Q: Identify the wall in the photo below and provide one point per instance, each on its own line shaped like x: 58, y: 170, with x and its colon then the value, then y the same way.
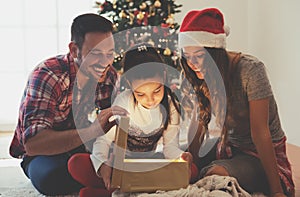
x: 30, y: 31
x: 274, y: 32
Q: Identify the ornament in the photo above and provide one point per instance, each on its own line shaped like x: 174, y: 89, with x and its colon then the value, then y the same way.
x: 101, y: 8
x: 122, y: 14
x: 131, y: 18
x: 143, y: 6
x: 167, y: 51
x: 151, y: 10
x: 170, y: 20
x: 151, y: 42
x: 155, y: 30
x: 174, y: 58
x: 157, y: 4
x: 140, y: 16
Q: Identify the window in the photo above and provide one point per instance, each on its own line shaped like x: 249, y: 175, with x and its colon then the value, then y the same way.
x: 31, y: 31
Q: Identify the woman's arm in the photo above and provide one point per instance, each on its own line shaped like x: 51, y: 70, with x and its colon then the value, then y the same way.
x: 261, y: 136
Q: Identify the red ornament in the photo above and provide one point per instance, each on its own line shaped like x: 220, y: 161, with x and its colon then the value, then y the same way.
x: 155, y: 29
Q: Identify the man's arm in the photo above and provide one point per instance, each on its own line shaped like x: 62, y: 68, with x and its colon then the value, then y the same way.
x: 51, y: 142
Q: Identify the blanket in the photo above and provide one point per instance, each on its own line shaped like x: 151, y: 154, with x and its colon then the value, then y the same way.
x: 210, y: 186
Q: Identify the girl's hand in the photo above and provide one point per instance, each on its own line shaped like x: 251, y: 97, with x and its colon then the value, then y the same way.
x: 193, y: 170
x: 105, y: 172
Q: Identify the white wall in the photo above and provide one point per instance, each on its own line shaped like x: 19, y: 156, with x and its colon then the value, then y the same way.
x: 274, y: 34
x: 269, y: 30
x: 30, y: 31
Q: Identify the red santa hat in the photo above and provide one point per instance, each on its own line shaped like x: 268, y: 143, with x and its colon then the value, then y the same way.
x: 203, y: 28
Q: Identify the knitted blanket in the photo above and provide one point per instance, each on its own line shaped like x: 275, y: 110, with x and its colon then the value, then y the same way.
x: 210, y: 186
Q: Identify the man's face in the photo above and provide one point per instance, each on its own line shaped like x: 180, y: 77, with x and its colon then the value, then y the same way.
x: 96, y: 55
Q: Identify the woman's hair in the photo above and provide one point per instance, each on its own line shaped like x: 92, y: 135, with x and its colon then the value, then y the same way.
x: 143, y: 62
x: 205, y: 95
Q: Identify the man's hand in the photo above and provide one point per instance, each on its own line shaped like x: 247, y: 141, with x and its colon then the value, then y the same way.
x: 103, y: 123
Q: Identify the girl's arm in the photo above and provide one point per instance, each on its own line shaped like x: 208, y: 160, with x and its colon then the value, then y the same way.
x: 101, y: 149
x: 261, y: 136
x: 171, y: 142
x: 171, y: 147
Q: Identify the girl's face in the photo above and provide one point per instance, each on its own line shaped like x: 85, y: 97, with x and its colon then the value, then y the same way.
x: 148, y: 92
x: 195, y: 58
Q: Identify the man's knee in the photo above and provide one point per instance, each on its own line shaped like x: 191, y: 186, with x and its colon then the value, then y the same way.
x: 218, y: 170
x: 47, y: 176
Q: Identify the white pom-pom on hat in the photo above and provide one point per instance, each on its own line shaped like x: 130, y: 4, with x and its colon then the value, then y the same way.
x: 227, y: 30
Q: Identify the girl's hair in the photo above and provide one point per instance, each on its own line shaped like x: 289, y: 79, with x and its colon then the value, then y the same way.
x: 218, y: 57
x: 143, y: 62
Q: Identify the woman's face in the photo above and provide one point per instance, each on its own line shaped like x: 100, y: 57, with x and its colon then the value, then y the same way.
x: 148, y: 92
x: 195, y: 58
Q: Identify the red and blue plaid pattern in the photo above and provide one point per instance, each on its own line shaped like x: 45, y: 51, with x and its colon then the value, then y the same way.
x: 48, y: 96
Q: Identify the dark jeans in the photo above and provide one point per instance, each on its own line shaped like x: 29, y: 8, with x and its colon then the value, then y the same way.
x: 49, y: 174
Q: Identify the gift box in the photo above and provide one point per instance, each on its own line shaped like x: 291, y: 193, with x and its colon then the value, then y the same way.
x: 145, y: 175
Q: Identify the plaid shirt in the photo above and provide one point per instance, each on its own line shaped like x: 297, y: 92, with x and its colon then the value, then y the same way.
x: 48, y: 96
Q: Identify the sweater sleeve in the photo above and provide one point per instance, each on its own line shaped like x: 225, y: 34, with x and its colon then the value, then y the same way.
x: 171, y: 148
x: 101, y: 148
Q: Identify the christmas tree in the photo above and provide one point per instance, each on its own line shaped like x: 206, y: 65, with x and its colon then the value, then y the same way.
x: 150, y: 21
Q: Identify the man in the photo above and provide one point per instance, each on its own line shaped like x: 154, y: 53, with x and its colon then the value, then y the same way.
x: 61, y: 91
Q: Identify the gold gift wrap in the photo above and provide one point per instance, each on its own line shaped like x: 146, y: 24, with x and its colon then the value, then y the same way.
x: 145, y: 175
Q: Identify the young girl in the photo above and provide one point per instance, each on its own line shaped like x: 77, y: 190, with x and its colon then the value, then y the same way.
x: 153, y: 113
x: 252, y: 147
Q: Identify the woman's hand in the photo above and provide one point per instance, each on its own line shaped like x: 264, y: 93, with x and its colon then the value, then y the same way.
x: 193, y: 170
x: 187, y: 157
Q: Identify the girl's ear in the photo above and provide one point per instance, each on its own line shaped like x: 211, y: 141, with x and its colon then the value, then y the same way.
x: 73, y: 48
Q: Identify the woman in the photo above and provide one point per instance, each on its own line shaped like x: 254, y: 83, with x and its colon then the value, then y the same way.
x: 233, y: 88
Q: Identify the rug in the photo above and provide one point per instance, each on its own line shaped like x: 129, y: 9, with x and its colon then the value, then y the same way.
x: 28, y: 192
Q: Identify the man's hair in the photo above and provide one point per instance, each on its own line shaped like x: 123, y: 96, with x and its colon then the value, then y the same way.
x: 87, y: 23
